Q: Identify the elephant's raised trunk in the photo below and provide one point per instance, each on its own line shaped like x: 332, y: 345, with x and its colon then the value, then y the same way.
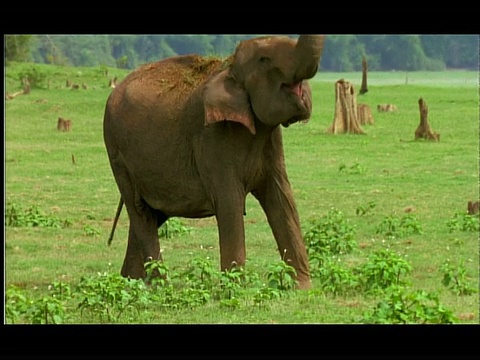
x: 307, y: 54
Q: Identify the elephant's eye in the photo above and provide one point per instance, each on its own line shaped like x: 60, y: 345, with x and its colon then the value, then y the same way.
x: 265, y: 59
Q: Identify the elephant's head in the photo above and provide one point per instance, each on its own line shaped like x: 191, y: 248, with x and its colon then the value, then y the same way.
x: 265, y: 80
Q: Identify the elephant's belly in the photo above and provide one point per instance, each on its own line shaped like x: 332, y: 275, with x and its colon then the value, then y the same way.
x: 191, y: 203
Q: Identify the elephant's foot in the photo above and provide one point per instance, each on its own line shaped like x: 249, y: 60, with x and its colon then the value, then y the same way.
x: 303, y: 282
x: 133, y: 269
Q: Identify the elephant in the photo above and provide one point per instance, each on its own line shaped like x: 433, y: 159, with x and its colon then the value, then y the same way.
x: 191, y: 136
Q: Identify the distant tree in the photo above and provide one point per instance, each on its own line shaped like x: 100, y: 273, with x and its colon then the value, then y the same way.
x: 191, y: 44
x: 342, y: 53
x: 18, y: 47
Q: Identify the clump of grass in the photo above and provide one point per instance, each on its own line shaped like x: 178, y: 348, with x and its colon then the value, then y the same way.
x: 16, y: 216
x: 394, y: 226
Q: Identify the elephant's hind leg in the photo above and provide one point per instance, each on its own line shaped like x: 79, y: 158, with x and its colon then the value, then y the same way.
x: 143, y: 243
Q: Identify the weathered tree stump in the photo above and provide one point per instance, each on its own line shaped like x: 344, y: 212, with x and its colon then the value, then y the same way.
x: 64, y: 125
x: 346, y: 114
x: 365, y: 114
x: 112, y: 83
x: 386, y: 108
x: 424, y: 131
x: 364, y: 88
x: 472, y: 207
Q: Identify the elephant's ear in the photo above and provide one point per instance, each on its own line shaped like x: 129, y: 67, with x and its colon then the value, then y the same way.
x: 224, y: 99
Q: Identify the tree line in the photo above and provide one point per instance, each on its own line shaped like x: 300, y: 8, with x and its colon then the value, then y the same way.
x: 341, y: 52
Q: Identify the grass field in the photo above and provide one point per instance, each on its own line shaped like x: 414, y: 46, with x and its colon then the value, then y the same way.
x: 385, y: 168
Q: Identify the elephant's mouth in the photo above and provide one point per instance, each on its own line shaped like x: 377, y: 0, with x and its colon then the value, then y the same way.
x: 297, y: 90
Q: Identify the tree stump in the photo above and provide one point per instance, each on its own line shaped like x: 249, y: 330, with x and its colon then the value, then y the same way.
x: 346, y: 114
x: 364, y: 88
x: 63, y: 124
x: 364, y: 114
x: 112, y: 83
x: 472, y: 207
x: 424, y: 131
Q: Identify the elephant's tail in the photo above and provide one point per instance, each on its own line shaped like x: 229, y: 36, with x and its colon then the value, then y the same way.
x: 117, y: 215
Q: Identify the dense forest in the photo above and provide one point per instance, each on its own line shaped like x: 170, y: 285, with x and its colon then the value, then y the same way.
x: 341, y: 52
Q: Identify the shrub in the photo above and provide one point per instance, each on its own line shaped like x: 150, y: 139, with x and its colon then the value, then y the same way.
x: 331, y: 234
x: 110, y: 295
x: 382, y: 270
x: 393, y: 226
x: 15, y: 216
x: 455, y: 279
x: 463, y: 222
x: 336, y: 279
x: 281, y: 276
x: 418, y: 307
x: 34, y: 75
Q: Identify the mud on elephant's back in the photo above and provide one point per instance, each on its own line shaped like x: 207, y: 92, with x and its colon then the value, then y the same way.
x: 178, y: 74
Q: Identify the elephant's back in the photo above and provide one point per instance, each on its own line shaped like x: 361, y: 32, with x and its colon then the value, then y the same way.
x: 177, y: 75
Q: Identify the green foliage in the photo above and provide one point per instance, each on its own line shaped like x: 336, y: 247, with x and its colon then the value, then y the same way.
x: 34, y: 75
x: 383, y: 269
x: 418, y: 307
x: 335, y: 278
x: 363, y: 210
x: 157, y: 273
x: 332, y: 234
x: 455, y: 278
x: 281, y: 276
x: 355, y: 169
x: 173, y: 227
x: 91, y: 231
x: 462, y: 221
x: 15, y: 216
x: 49, y: 309
x: 108, y: 296
x: 265, y: 294
x: 341, y: 53
x: 394, y: 227
x: 16, y: 304
x: 46, y: 310
x: 18, y: 47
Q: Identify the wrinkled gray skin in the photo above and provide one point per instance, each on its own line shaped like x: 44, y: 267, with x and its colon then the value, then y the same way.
x: 191, y: 137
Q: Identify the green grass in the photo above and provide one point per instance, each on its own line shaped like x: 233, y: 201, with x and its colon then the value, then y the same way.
x: 435, y: 180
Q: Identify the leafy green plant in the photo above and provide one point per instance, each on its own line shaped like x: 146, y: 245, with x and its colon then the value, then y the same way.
x: 363, y: 210
x: 265, y: 294
x: 34, y: 75
x: 393, y: 226
x: 201, y: 274
x: 383, y: 269
x: 399, y: 307
x: 281, y: 276
x: 16, y: 304
x: 462, y: 221
x: 158, y: 273
x: 173, y: 227
x: 110, y: 295
x: 455, y: 278
x: 335, y: 278
x: 332, y: 234
x: 46, y: 310
x: 356, y: 168
x: 91, y: 231
x: 16, y: 216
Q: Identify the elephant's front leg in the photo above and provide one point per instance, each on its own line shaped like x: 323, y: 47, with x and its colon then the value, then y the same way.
x: 276, y: 199
x: 231, y: 231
